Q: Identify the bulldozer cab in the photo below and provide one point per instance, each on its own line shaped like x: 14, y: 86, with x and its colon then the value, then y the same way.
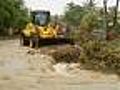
x: 40, y: 18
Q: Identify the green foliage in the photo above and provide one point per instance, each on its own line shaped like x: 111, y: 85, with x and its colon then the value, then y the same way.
x: 86, y: 17
x: 89, y: 21
x: 13, y: 14
x: 73, y: 14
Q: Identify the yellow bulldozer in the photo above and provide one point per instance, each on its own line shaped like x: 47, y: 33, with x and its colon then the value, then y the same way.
x: 40, y: 30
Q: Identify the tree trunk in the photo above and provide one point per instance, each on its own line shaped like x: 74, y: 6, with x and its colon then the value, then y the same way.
x: 116, y: 12
x: 91, y: 3
x: 106, y: 18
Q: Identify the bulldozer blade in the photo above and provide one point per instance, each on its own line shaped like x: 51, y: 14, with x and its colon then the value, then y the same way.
x: 55, y: 41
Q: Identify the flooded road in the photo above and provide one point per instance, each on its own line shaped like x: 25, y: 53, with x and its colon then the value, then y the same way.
x: 22, y: 68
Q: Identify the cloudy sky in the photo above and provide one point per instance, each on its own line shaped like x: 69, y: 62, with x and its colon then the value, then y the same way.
x: 57, y: 6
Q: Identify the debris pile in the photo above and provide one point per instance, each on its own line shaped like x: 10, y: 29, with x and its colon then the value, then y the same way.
x: 67, y: 54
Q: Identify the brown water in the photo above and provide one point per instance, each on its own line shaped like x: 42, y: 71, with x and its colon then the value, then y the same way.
x: 22, y: 68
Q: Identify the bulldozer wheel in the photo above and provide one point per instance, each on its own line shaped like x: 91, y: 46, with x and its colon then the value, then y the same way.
x: 24, y: 41
x: 32, y: 43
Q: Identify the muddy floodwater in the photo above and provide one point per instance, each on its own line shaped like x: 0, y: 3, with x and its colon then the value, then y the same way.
x: 23, y: 68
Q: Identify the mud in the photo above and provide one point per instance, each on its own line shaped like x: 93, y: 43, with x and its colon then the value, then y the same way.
x: 23, y: 68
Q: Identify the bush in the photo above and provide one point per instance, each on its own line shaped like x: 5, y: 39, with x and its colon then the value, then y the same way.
x: 100, y: 55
